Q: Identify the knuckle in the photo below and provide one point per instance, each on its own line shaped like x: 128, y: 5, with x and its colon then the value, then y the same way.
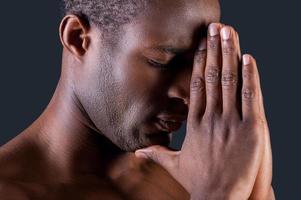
x: 212, y: 75
x: 229, y: 78
x: 197, y: 84
x: 248, y: 94
x: 213, y: 43
x: 228, y: 49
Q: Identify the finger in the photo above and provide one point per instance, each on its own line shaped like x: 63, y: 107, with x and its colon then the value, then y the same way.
x: 239, y: 84
x: 160, y: 155
x: 260, y: 96
x: 213, y: 69
x: 262, y: 186
x: 197, y: 86
x: 250, y: 89
x: 229, y: 80
x: 238, y: 46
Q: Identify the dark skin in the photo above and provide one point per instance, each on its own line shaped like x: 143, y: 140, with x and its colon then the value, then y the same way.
x: 108, y: 102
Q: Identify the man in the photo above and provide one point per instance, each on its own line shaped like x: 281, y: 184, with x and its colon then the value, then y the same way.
x: 132, y: 72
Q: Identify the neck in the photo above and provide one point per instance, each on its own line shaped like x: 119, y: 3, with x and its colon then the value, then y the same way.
x: 72, y: 143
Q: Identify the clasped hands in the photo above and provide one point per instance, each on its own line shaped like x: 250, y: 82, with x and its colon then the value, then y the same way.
x: 226, y: 153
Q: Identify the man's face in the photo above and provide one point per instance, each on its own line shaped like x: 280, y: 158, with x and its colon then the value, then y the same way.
x: 137, y: 92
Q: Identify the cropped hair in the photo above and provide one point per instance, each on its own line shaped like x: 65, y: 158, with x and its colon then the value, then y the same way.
x: 108, y: 15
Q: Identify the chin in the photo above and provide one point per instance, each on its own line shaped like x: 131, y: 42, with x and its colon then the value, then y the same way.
x: 144, y: 140
x: 150, y: 140
x: 153, y: 139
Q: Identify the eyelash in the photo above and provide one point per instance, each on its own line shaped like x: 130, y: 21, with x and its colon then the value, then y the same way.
x: 157, y: 64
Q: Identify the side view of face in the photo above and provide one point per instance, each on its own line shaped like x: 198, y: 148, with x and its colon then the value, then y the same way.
x: 136, y: 91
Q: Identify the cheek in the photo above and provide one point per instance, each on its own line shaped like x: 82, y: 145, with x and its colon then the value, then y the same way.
x: 135, y: 77
x: 139, y: 89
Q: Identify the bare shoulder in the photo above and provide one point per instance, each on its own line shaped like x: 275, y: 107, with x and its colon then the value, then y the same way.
x: 17, y: 158
x: 12, y: 162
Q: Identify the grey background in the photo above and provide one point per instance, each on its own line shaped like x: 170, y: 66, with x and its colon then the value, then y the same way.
x: 30, y: 55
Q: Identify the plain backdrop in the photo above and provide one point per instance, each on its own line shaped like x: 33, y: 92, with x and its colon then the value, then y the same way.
x: 30, y: 58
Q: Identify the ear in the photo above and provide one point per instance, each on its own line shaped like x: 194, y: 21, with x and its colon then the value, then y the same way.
x: 74, y: 35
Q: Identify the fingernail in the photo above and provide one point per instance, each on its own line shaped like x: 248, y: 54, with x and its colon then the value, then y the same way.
x: 246, y: 59
x: 226, y: 32
x: 213, y: 30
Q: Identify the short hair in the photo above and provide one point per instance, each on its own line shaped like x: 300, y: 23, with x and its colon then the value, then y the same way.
x: 108, y: 15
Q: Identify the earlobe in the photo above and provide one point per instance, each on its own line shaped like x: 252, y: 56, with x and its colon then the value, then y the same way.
x: 74, y: 35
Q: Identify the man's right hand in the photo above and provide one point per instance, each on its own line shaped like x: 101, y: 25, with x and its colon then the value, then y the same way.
x: 226, y: 127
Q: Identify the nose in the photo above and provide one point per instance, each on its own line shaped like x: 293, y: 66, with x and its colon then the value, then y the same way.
x: 180, y: 87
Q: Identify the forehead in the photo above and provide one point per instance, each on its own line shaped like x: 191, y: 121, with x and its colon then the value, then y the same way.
x: 173, y: 22
x: 192, y: 9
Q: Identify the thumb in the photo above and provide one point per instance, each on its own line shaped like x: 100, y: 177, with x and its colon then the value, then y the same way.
x: 161, y: 155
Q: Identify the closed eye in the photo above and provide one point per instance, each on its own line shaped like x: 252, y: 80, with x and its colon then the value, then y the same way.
x: 157, y: 64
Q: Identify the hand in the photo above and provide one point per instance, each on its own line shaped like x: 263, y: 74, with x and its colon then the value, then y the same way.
x: 227, y: 134
x: 262, y: 189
